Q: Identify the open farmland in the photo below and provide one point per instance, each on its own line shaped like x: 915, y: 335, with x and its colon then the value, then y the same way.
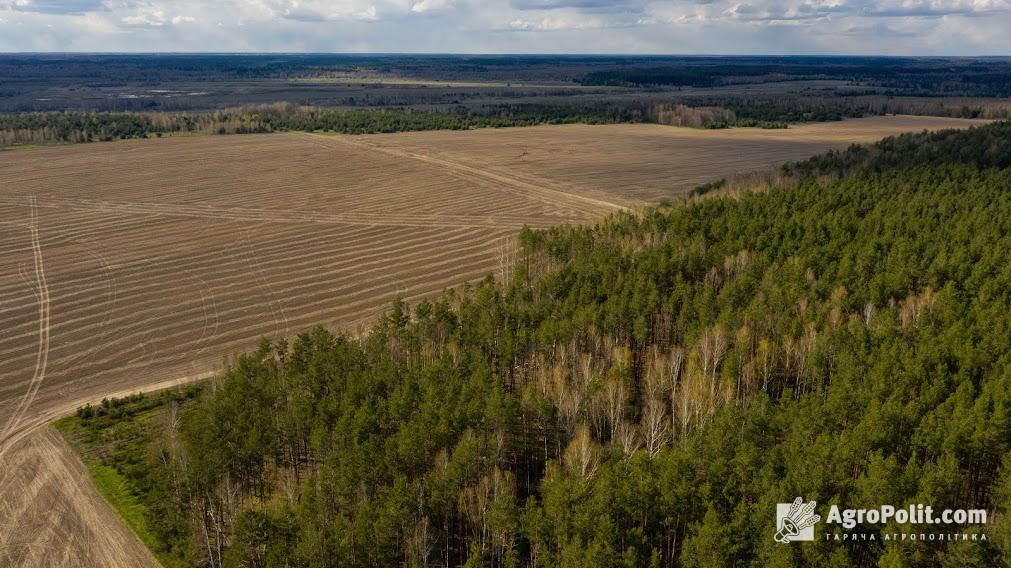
x: 631, y: 164
x: 131, y: 265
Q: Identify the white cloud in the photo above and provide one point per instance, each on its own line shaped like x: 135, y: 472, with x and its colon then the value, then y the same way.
x: 67, y: 7
x: 654, y: 26
x: 321, y: 10
x: 423, y: 6
x: 603, y: 6
x: 152, y: 17
x: 557, y: 23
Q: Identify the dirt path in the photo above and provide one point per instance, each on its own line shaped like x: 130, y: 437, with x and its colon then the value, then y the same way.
x: 41, y: 291
x: 541, y: 191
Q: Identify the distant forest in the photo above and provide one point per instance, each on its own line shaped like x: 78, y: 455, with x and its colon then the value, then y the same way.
x: 77, y: 127
x: 910, y: 77
x: 640, y: 392
x: 68, y: 98
x: 932, y: 76
x: 711, y: 113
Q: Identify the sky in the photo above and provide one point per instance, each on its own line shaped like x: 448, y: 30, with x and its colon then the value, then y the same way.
x: 855, y: 27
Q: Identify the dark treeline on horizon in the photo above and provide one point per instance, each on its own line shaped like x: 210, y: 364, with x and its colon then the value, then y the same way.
x: 789, y: 85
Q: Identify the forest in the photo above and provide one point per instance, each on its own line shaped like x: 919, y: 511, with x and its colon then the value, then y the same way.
x: 696, y: 111
x: 913, y: 76
x: 81, y: 127
x: 85, y: 127
x: 71, y: 127
x: 639, y: 392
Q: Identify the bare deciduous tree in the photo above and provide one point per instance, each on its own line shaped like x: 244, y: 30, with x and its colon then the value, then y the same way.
x: 655, y: 426
x: 627, y: 436
x: 582, y: 456
x: 711, y: 348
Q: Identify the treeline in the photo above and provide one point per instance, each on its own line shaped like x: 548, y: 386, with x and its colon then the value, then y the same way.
x: 79, y: 127
x: 980, y: 148
x: 766, y: 110
x: 76, y: 127
x: 654, y: 76
x: 693, y: 112
x: 642, y: 392
x: 840, y: 106
x: 793, y: 109
x: 385, y: 121
x: 903, y: 77
x: 706, y: 117
x: 709, y: 73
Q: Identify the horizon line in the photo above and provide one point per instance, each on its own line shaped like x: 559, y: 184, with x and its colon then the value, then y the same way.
x: 503, y: 54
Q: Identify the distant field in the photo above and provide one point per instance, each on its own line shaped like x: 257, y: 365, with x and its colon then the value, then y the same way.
x: 631, y: 164
x: 129, y: 264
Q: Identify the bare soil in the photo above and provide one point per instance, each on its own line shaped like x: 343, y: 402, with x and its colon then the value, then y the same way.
x: 632, y: 164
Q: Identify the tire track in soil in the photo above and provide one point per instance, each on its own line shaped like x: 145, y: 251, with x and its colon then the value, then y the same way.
x: 589, y: 205
x: 41, y: 288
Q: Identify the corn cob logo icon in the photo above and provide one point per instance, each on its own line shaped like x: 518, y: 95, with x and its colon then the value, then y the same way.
x: 794, y: 521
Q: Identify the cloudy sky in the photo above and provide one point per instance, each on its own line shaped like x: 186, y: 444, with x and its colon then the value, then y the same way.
x: 893, y: 27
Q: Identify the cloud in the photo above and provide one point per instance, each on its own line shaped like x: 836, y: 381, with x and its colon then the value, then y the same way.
x: 551, y: 23
x: 506, y: 26
x: 798, y: 13
x: 573, y: 15
x: 933, y: 9
x: 423, y: 6
x: 64, y: 7
x: 145, y: 18
x: 571, y: 21
x: 771, y: 11
x: 879, y: 29
x: 326, y: 11
x: 153, y: 16
x: 585, y: 5
x: 300, y: 15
